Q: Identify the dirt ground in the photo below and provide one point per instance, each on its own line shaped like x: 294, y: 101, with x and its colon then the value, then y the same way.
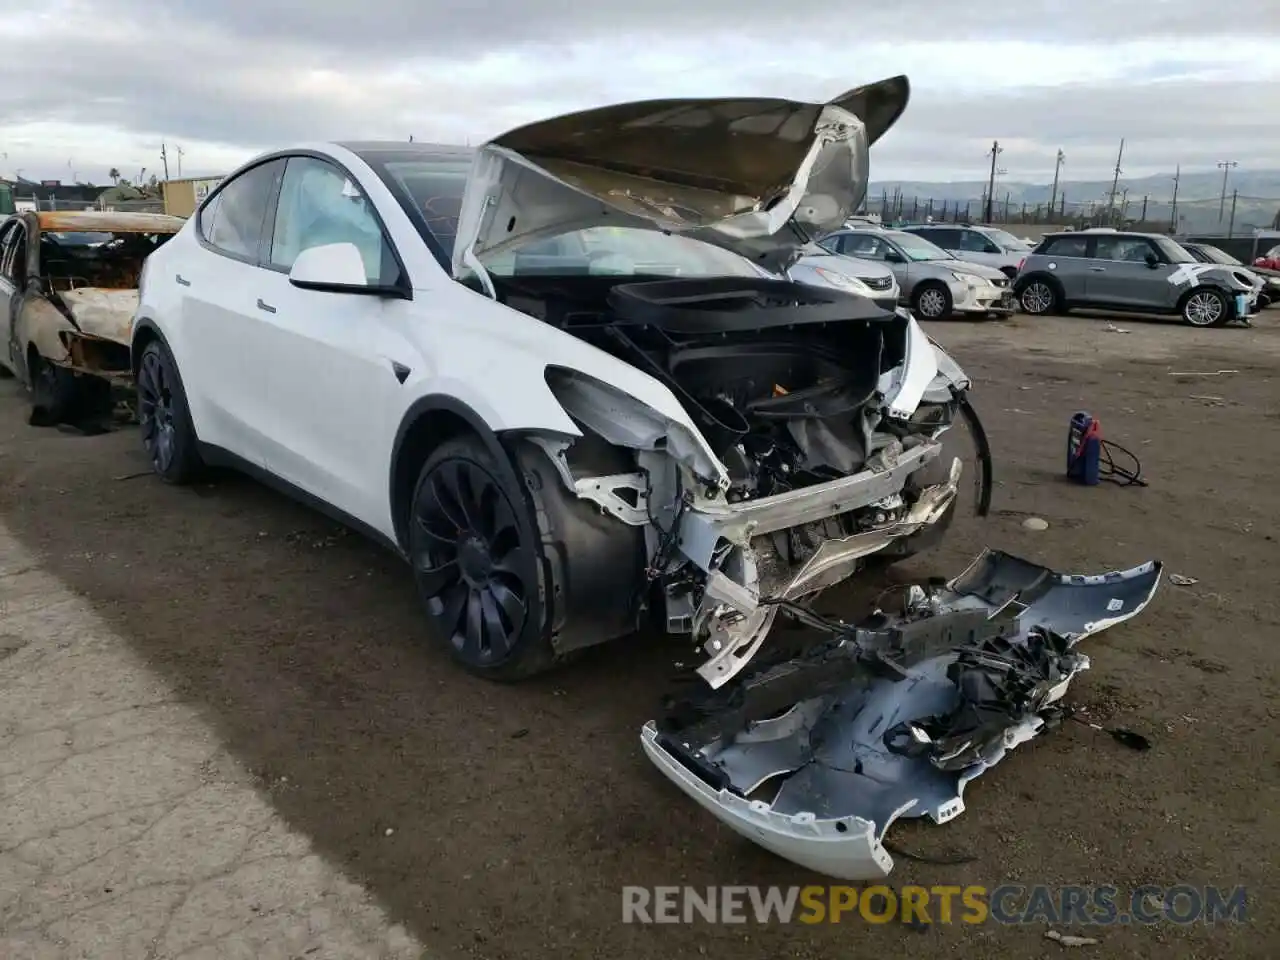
x: 518, y: 814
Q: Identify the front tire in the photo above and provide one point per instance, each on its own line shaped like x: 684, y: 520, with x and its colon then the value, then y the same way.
x: 1206, y: 308
x: 931, y: 301
x: 168, y: 435
x: 477, y: 563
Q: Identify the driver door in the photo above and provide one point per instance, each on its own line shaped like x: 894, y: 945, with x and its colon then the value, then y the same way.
x: 338, y: 359
x: 13, y: 263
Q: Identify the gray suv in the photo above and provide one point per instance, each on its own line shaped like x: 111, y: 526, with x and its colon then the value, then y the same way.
x: 1136, y: 272
x: 986, y: 245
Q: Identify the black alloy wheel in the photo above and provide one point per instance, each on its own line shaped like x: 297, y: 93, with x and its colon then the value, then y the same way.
x: 475, y: 570
x: 167, y: 434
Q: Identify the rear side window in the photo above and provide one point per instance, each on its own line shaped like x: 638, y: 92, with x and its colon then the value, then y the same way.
x: 1064, y: 246
x: 233, y: 220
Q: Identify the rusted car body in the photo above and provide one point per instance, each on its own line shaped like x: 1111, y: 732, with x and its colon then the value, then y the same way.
x: 68, y: 293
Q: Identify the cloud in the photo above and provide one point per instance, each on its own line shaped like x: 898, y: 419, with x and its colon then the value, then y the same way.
x: 93, y: 85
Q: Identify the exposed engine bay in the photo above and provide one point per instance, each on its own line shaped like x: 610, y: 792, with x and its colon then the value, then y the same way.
x: 803, y: 470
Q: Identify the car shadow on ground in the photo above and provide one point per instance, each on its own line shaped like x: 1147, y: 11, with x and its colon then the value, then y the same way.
x: 498, y: 821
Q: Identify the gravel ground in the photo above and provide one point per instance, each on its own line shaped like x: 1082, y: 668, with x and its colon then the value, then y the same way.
x: 517, y: 814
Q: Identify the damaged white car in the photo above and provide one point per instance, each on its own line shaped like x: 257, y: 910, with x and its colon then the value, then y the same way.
x: 567, y: 375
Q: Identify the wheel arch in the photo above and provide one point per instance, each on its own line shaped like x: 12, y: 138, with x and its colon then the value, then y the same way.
x: 1021, y: 283
x: 1200, y: 288
x: 429, y: 422
x: 145, y: 330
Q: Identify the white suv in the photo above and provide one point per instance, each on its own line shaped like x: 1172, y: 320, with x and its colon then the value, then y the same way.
x: 550, y: 372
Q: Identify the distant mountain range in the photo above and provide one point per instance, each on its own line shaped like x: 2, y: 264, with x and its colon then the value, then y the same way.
x: 1199, y: 194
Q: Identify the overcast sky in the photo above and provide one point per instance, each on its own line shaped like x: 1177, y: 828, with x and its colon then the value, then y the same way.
x: 92, y: 84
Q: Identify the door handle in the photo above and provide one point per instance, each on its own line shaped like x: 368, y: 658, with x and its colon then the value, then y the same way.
x: 1097, y: 269
x: 182, y: 280
x: 262, y: 305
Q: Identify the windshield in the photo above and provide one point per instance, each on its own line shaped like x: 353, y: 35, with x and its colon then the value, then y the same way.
x: 429, y: 187
x: 619, y: 252
x: 1219, y: 256
x: 1173, y: 252
x: 918, y: 248
x: 1006, y: 240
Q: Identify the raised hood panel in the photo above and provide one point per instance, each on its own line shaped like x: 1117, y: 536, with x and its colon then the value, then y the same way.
x: 738, y: 173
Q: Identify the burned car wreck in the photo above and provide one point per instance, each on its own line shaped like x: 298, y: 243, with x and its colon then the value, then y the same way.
x: 816, y: 757
x: 785, y: 432
x: 70, y: 279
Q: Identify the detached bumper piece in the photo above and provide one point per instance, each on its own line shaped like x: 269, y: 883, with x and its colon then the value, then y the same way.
x: 815, y: 758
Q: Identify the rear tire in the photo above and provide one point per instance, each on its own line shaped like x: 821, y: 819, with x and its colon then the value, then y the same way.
x: 931, y: 301
x: 1207, y: 307
x: 1039, y: 298
x: 168, y: 435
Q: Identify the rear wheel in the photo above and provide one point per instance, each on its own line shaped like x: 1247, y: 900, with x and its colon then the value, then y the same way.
x: 476, y: 562
x: 1207, y: 308
x: 1038, y: 298
x: 931, y: 301
x: 167, y: 432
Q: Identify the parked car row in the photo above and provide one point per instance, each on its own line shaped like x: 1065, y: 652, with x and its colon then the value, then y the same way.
x: 1109, y: 269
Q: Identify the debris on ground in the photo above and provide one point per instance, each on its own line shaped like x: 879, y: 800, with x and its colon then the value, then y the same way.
x: 1208, y: 373
x: 1035, y: 523
x: 891, y: 717
x: 1068, y: 940
x: 1179, y: 580
x: 1112, y: 328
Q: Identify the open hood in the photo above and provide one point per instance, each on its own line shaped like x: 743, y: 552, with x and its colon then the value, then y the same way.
x: 755, y: 176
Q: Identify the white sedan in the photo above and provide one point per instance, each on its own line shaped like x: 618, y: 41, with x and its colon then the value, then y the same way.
x: 550, y: 374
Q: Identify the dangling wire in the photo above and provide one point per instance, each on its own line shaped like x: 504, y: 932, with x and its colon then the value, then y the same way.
x: 1108, y: 470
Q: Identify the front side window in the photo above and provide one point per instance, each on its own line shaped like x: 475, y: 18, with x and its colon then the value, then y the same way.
x: 13, y: 259
x: 974, y: 242
x: 233, y: 221
x: 320, y: 205
x: 865, y: 245
x: 1127, y: 249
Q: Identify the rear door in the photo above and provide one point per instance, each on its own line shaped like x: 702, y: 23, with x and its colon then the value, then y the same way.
x: 1066, y: 257
x: 221, y: 352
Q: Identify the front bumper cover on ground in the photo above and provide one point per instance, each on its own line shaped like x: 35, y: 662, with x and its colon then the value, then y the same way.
x: 815, y: 758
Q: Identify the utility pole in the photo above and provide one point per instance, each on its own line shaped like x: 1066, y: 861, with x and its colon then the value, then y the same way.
x: 179, y: 151
x: 1144, y: 208
x: 164, y: 157
x: 1232, y: 225
x: 1115, y: 182
x: 991, y: 181
x: 1226, y: 166
x: 1053, y: 197
x: 1173, y: 214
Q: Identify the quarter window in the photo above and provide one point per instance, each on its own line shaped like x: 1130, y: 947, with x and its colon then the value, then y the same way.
x: 232, y: 221
x: 320, y: 205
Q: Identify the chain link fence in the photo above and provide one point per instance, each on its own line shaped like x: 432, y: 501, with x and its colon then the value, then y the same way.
x: 120, y: 206
x: 1230, y: 216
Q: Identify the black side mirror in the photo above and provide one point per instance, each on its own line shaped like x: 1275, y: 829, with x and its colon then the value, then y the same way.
x: 893, y: 256
x: 1152, y: 261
